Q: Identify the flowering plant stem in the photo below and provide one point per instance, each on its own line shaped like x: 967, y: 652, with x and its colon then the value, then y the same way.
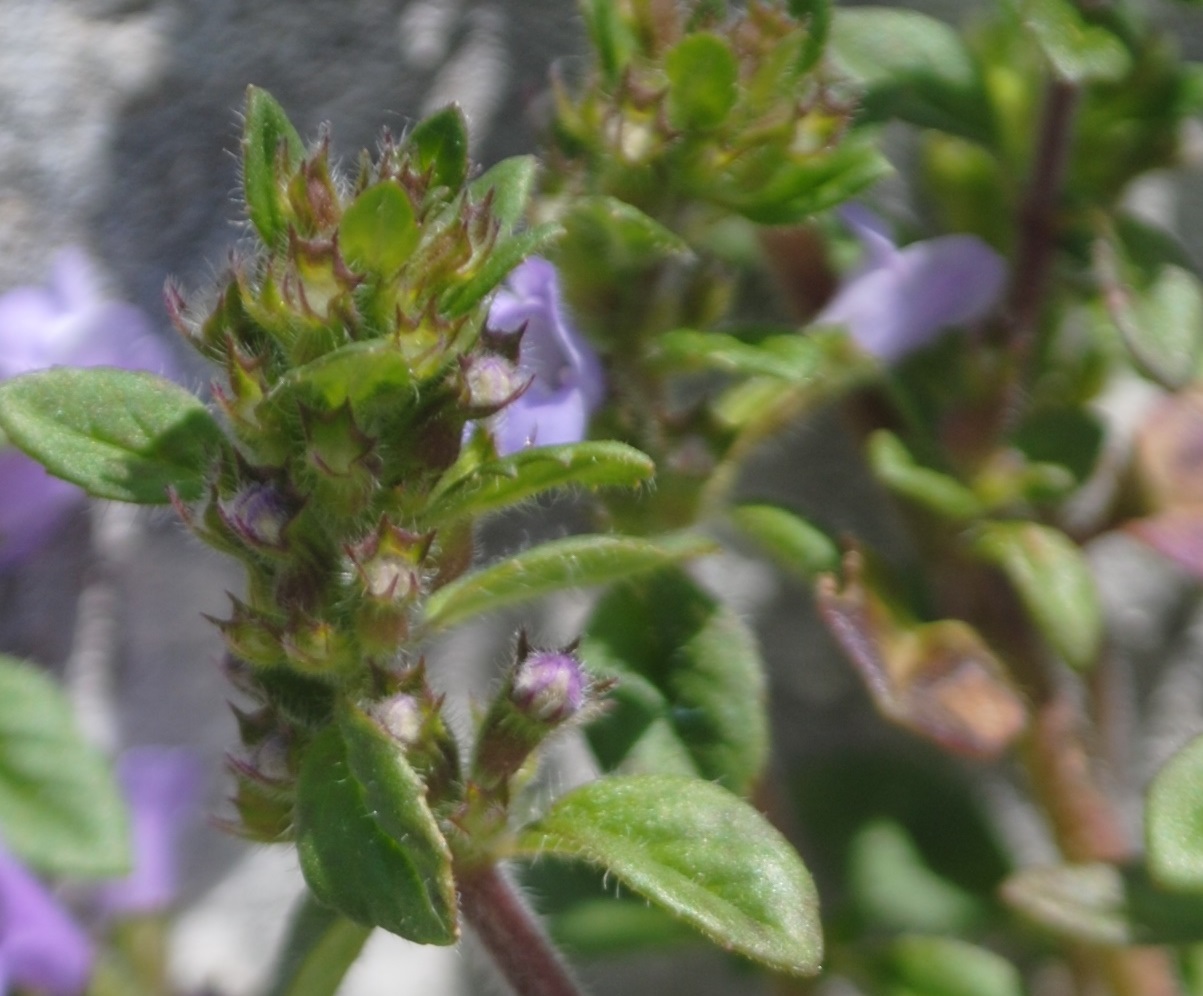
x: 505, y: 925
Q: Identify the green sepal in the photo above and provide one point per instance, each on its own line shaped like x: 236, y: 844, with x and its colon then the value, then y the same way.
x: 500, y: 483
x: 271, y: 152
x: 125, y: 435
x: 1105, y: 904
x: 703, y: 75
x: 576, y: 562
x: 368, y: 843
x: 937, y: 492
x: 378, y: 230
x: 698, y: 852
x: 691, y: 681
x: 440, y: 145
x: 319, y: 950
x: 1054, y: 582
x: 510, y: 183
x: 943, y: 966
x: 60, y: 809
x: 1078, y: 50
x: 506, y: 255
x: 912, y: 67
x: 1174, y: 821
x: 788, y: 539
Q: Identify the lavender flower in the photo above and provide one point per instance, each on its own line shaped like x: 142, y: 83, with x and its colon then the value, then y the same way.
x: 41, y: 947
x: 565, y: 375
x: 162, y: 789
x: 899, y: 300
x: 66, y: 322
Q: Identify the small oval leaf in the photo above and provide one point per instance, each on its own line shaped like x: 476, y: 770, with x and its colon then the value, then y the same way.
x: 501, y: 483
x: 378, y: 231
x: 687, y: 665
x: 1174, y: 821
x: 320, y: 949
x: 60, y: 808
x: 698, y: 852
x: 789, y: 539
x: 440, y: 143
x: 119, y: 434
x: 1052, y: 578
x: 703, y: 74
x: 576, y: 562
x: 368, y: 844
x: 271, y: 151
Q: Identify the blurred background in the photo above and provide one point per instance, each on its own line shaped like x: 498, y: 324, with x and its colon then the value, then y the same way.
x: 119, y: 125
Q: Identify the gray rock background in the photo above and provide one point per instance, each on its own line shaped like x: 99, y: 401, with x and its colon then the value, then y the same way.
x: 119, y: 132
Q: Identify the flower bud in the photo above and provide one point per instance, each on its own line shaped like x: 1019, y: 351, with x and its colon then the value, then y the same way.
x: 257, y: 514
x: 401, y: 716
x: 492, y: 382
x: 549, y: 686
x: 545, y: 689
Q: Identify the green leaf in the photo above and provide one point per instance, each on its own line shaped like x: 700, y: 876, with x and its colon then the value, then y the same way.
x: 698, y: 852
x: 1103, y: 904
x: 271, y: 152
x: 912, y: 67
x: 945, y: 966
x: 368, y: 844
x: 811, y: 359
x: 352, y: 374
x: 817, y: 14
x: 686, y: 663
x: 1155, y: 301
x: 790, y: 540
x: 799, y: 189
x: 1078, y: 51
x: 620, y: 234
x: 611, y: 36
x: 1053, y: 580
x: 510, y: 182
x: 1174, y: 821
x: 938, y: 493
x: 1066, y: 437
x: 378, y: 231
x: 440, y: 144
x: 321, y: 947
x: 576, y: 562
x: 501, y: 483
x: 119, y: 434
x: 501, y: 260
x: 703, y: 76
x: 60, y: 809
x: 893, y: 888
x: 589, y: 916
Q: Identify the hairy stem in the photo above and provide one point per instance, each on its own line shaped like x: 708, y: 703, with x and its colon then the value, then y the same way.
x: 507, y: 928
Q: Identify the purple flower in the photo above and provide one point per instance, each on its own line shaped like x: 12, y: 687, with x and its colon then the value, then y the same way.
x: 899, y: 300
x: 67, y: 322
x: 41, y: 947
x: 565, y: 375
x: 162, y: 789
